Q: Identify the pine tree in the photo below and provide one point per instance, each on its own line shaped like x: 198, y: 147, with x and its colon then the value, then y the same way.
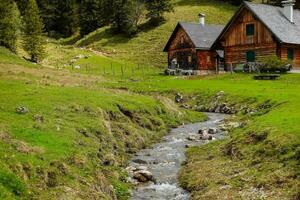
x: 123, y: 16
x: 93, y: 14
x: 9, y: 24
x: 60, y: 17
x: 156, y: 9
x: 33, y: 32
x: 21, y: 5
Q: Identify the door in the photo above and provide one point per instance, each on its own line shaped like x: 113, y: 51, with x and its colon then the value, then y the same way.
x: 250, y: 56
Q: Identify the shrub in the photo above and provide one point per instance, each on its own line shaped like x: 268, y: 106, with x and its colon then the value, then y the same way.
x: 273, y: 63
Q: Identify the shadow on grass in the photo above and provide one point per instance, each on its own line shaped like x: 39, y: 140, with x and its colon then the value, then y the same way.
x: 149, y: 26
x: 199, y: 3
x: 71, y: 40
x: 112, y: 38
x: 104, y: 33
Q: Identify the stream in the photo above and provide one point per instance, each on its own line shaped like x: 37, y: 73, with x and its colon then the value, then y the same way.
x: 164, y: 160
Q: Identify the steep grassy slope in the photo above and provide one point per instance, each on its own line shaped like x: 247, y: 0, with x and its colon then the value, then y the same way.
x: 74, y: 138
x: 146, y: 47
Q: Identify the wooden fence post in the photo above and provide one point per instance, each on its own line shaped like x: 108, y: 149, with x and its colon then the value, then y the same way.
x: 122, y: 71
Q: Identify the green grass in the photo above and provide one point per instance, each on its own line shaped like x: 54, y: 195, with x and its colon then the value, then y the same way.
x: 146, y: 47
x: 112, y: 68
x: 10, y: 58
x: 84, y: 126
x: 93, y: 117
x: 271, y: 164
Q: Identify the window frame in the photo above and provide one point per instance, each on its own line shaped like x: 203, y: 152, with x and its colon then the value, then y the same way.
x: 250, y: 31
x: 290, y: 54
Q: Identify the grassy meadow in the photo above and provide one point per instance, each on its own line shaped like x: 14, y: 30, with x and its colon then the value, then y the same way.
x: 146, y: 47
x: 75, y: 133
x: 83, y: 124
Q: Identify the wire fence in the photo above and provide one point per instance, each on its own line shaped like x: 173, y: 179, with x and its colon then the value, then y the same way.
x: 114, y: 70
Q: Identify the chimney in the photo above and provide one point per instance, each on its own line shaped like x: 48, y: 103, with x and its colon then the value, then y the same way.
x: 288, y: 9
x: 202, y: 19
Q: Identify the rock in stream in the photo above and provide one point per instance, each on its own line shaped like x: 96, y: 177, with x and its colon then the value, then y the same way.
x: 158, y: 180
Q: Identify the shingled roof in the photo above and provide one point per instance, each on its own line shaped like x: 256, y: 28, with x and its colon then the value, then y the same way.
x: 202, y: 36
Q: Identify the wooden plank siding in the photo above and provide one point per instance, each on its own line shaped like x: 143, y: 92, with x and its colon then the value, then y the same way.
x: 183, y: 49
x: 283, y: 53
x: 236, y: 43
x: 236, y: 35
x: 237, y: 54
x: 206, y: 60
x: 188, y: 57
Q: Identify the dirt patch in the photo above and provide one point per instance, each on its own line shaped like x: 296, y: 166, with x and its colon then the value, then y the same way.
x: 24, y: 147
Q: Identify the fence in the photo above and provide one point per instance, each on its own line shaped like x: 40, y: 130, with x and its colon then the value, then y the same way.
x: 115, y: 70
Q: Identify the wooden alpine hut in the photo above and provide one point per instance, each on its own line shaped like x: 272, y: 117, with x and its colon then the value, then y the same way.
x: 259, y: 30
x: 190, y: 47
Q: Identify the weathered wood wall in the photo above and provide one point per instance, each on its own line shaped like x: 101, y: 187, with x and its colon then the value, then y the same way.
x: 283, y: 53
x: 182, y: 48
x: 206, y: 60
x: 236, y: 43
x: 237, y: 54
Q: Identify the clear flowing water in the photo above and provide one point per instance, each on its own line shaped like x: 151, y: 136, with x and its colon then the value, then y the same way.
x: 164, y: 161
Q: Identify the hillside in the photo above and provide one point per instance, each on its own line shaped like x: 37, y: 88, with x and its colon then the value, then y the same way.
x: 68, y: 128
x: 61, y: 133
x: 146, y: 47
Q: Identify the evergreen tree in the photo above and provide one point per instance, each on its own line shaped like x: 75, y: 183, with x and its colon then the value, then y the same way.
x: 21, y: 5
x: 60, y: 17
x: 156, y: 9
x: 9, y: 24
x: 33, y: 32
x: 123, y: 16
x: 93, y: 14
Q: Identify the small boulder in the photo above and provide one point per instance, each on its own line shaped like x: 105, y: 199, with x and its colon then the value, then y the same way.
x: 203, y: 132
x: 178, y: 98
x: 212, y: 131
x: 220, y: 94
x: 143, y: 176
x: 206, y: 137
x: 191, y: 138
x: 22, y: 110
x: 141, y: 168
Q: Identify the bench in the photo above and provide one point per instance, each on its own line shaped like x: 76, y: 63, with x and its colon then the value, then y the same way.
x: 266, y: 76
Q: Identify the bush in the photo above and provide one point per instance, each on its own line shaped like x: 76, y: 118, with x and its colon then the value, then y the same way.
x: 274, y: 64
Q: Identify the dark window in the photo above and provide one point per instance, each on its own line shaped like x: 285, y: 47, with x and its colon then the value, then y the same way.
x: 290, y: 53
x: 250, y: 56
x: 250, y: 29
